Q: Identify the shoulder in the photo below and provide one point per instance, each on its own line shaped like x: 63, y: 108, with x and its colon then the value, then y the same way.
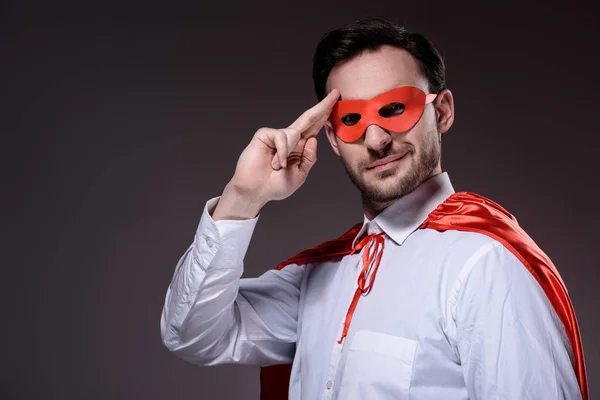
x: 481, y: 267
x: 453, y: 249
x: 482, y: 235
x: 467, y: 209
x: 479, y: 260
x: 495, y: 278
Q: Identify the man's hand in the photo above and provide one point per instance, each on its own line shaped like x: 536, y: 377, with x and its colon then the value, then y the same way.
x: 275, y: 163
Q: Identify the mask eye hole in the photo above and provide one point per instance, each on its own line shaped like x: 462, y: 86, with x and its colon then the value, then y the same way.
x: 351, y: 119
x: 392, y: 110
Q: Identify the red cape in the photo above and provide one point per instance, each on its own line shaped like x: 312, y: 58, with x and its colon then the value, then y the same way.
x: 462, y: 211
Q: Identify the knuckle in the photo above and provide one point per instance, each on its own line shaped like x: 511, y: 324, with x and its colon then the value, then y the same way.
x: 293, y: 132
x: 281, y: 137
x: 262, y: 131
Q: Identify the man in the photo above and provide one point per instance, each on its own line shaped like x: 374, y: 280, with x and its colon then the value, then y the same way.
x: 436, y: 295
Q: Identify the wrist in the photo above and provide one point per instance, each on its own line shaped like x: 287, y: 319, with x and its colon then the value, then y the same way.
x: 236, y: 205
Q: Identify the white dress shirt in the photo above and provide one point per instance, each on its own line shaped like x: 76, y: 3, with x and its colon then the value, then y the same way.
x: 451, y: 315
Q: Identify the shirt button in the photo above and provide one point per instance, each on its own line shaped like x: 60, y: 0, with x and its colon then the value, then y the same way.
x: 209, y: 242
x: 329, y: 384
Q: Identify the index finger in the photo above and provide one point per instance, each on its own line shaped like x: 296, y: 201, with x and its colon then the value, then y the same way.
x: 316, y: 113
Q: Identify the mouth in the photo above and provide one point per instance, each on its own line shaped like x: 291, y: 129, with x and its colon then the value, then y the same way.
x: 386, y: 163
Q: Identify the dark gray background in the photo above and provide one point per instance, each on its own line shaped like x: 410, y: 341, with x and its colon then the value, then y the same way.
x: 119, y: 120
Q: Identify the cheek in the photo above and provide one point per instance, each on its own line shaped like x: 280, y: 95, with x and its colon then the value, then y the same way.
x: 350, y: 153
x: 423, y: 133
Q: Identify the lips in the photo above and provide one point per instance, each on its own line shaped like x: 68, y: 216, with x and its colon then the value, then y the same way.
x: 385, y: 160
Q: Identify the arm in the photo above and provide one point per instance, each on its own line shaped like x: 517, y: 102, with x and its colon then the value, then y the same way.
x: 211, y: 316
x: 511, y: 343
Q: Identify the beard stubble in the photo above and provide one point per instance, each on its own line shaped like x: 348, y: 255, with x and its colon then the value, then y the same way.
x: 401, y: 182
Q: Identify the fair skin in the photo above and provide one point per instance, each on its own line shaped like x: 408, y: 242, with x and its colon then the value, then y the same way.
x: 277, y: 162
x: 364, y: 77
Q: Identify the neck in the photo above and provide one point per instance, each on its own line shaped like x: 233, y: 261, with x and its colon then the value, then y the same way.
x: 373, y: 208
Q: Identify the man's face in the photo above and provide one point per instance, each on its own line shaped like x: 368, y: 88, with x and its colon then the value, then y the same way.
x: 415, y: 153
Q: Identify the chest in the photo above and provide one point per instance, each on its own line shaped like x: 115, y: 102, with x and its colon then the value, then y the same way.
x: 411, y: 285
x: 404, y: 317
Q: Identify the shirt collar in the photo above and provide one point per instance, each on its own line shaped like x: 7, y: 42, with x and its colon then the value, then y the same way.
x: 406, y: 214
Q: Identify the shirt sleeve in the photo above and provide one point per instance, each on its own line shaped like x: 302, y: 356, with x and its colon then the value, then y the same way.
x: 213, y: 316
x: 511, y: 342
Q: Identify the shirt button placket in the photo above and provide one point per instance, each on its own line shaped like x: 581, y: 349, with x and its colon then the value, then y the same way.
x: 336, y: 352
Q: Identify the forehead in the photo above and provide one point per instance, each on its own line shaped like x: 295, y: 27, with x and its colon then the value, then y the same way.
x: 374, y: 72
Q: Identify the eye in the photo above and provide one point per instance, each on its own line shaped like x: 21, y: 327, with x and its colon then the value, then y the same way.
x: 391, y: 110
x: 351, y: 119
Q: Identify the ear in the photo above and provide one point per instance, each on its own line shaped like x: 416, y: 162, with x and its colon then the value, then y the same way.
x: 332, y: 137
x: 444, y: 107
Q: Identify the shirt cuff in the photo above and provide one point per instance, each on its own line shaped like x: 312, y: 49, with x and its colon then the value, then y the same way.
x: 224, y: 243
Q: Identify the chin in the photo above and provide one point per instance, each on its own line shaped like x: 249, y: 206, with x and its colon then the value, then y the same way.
x: 383, y: 192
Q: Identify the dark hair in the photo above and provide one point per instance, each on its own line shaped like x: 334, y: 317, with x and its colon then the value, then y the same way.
x: 342, y: 44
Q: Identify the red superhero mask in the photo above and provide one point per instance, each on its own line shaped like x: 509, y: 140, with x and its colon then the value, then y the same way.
x: 397, y: 110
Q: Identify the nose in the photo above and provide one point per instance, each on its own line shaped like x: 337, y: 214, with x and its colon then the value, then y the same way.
x: 377, y: 138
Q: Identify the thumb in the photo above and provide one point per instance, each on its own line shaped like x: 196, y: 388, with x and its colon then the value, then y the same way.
x: 309, y: 155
